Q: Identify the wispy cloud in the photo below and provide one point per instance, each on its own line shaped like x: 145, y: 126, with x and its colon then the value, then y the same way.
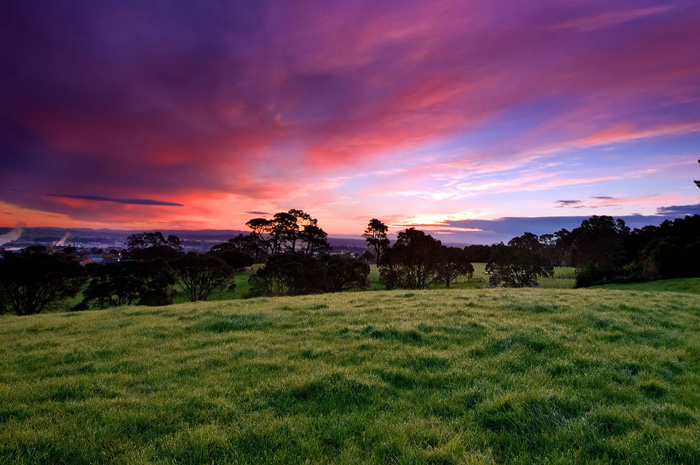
x: 568, y: 203
x: 610, y: 18
x: 97, y: 198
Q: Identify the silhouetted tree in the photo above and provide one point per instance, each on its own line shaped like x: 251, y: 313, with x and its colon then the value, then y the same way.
x: 674, y: 251
x: 517, y: 265
x: 295, y: 230
x: 248, y: 244
x: 233, y: 258
x: 115, y: 284
x: 289, y: 274
x: 453, y: 263
x: 128, y: 282
x: 375, y: 235
x: 600, y: 240
x: 346, y: 273
x: 258, y: 228
x: 31, y: 282
x: 199, y: 275
x: 412, y: 262
x: 315, y: 239
x: 285, y: 229
x: 478, y: 253
x: 152, y: 246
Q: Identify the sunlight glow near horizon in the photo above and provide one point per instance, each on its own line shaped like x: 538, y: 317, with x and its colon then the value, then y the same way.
x: 424, y: 113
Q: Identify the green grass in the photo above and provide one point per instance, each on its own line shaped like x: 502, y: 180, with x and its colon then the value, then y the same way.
x: 458, y: 376
x: 564, y: 278
x: 686, y: 285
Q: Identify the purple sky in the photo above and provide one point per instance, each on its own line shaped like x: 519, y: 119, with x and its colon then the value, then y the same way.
x: 443, y: 114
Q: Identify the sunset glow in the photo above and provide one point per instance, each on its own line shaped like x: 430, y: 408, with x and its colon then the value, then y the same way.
x: 171, y: 115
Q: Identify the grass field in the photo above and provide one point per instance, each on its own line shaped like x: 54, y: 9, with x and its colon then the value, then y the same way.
x: 564, y: 278
x: 687, y: 285
x: 460, y: 376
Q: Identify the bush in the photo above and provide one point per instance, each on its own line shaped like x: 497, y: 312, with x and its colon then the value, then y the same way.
x: 31, y: 282
x: 289, y: 274
x: 517, y: 266
x: 123, y: 283
x: 298, y: 273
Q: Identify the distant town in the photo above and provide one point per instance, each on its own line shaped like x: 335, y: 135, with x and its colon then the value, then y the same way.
x: 105, y: 245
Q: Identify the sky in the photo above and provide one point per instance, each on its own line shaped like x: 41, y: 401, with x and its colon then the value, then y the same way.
x: 456, y: 117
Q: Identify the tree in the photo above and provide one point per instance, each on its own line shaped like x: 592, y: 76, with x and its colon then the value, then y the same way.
x: 453, y: 263
x: 31, y: 282
x: 375, y: 235
x: 285, y: 229
x: 114, y: 284
x: 517, y: 265
x: 289, y: 274
x: 128, y: 282
x: 259, y: 227
x: 478, y: 253
x: 233, y: 258
x: 302, y: 221
x: 248, y: 244
x: 600, y: 240
x: 153, y: 245
x: 198, y: 275
x: 314, y: 239
x: 412, y: 262
x: 346, y: 273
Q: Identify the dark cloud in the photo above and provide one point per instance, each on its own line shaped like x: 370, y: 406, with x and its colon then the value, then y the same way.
x: 679, y: 210
x: 567, y: 203
x: 603, y: 197
x: 98, y: 198
x: 257, y: 213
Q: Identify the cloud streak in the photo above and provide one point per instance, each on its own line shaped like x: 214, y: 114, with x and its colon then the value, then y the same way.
x: 97, y: 198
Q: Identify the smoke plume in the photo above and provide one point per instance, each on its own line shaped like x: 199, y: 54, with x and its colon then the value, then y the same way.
x: 12, y: 236
x: 62, y: 241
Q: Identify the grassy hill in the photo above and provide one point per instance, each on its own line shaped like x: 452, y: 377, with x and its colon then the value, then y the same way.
x: 439, y: 376
x: 687, y: 285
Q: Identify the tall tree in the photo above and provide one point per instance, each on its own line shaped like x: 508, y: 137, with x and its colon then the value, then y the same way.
x: 302, y: 220
x: 235, y: 250
x: 453, y: 263
x: 412, y: 262
x: 258, y: 228
x: 284, y: 230
x: 516, y: 265
x: 600, y: 240
x: 153, y: 245
x: 315, y: 240
x: 375, y: 235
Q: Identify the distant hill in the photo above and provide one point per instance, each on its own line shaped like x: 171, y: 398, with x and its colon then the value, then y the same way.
x: 202, y: 240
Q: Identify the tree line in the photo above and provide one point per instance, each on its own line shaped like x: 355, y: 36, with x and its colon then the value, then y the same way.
x: 294, y: 257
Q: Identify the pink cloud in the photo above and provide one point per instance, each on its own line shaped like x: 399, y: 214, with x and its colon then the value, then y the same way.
x: 610, y: 19
x: 270, y: 105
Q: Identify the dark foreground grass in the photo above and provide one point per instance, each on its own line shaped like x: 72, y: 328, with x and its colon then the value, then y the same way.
x: 488, y: 376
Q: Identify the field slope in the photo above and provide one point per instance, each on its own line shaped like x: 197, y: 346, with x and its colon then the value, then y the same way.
x: 687, y: 285
x: 460, y: 376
